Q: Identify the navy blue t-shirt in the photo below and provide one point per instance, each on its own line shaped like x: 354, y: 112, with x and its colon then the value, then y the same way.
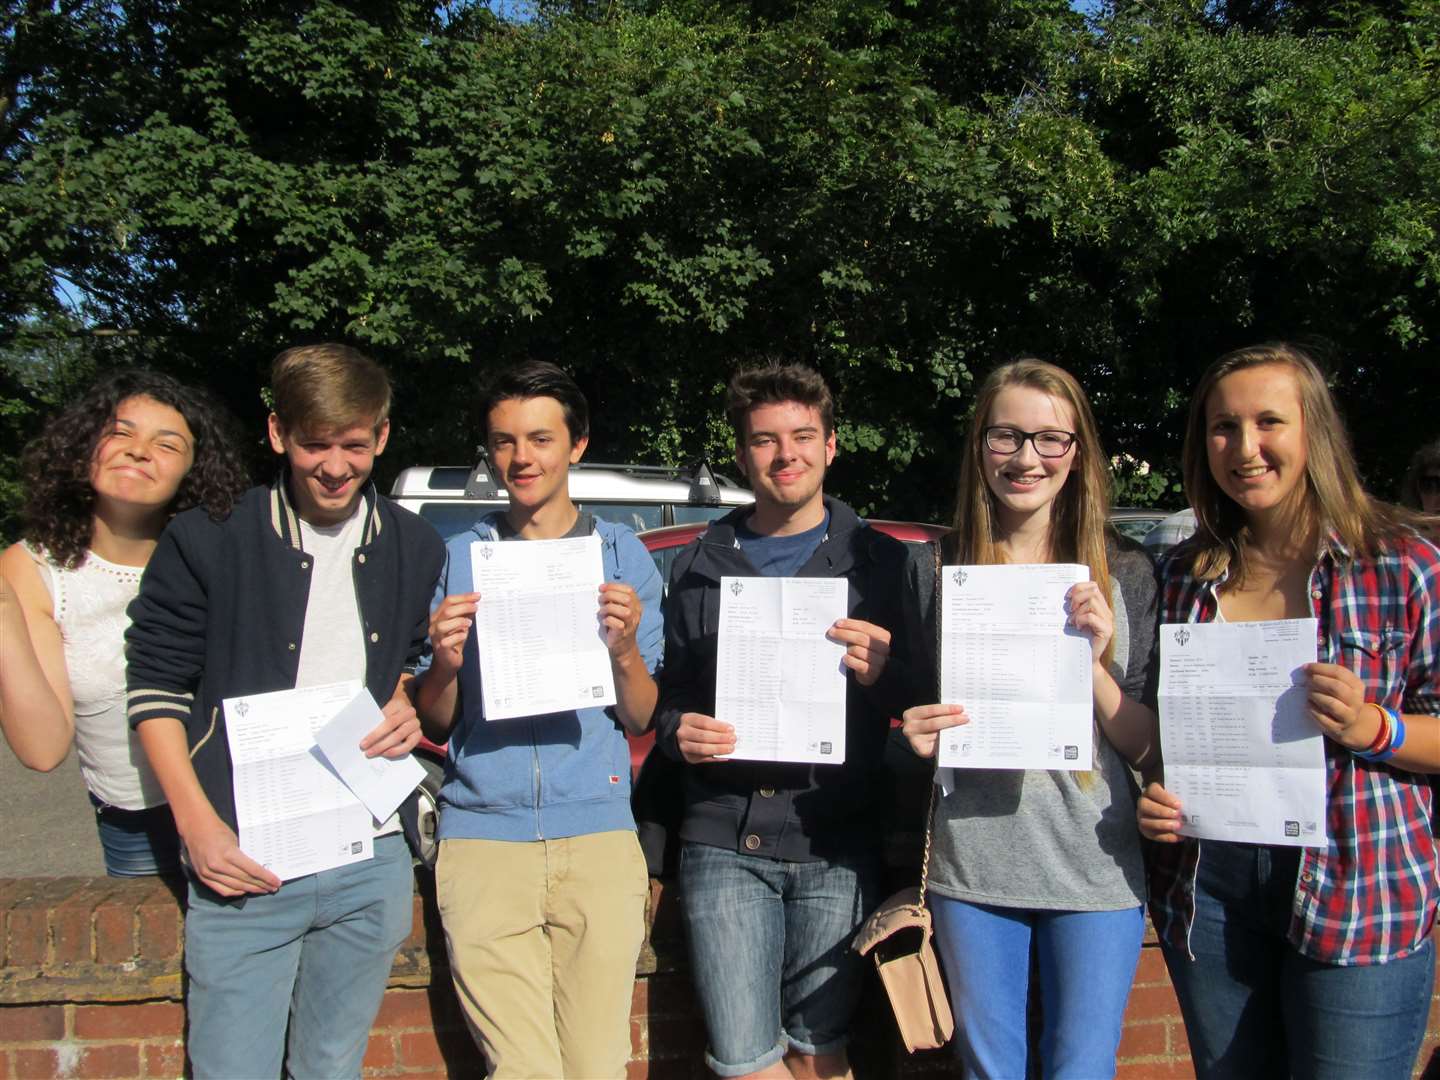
x: 780, y: 556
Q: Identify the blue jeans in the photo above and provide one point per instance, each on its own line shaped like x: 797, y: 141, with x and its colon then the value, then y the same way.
x: 314, y: 955
x: 770, y: 951
x: 1255, y: 1007
x: 137, y: 843
x: 1086, y: 962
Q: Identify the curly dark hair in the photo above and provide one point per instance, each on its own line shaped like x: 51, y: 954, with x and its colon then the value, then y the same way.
x: 59, y: 501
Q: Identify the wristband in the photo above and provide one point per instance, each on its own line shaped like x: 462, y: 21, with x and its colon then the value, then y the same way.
x: 1382, y: 736
x: 1395, y: 737
x: 1398, y: 739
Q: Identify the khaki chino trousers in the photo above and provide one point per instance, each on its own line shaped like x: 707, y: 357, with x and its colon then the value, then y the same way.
x: 543, y: 938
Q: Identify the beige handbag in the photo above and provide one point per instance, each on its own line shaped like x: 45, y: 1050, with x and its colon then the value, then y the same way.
x: 899, y: 936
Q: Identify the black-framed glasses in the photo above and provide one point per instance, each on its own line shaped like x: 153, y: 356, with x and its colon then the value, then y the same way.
x: 1429, y: 485
x: 1048, y: 443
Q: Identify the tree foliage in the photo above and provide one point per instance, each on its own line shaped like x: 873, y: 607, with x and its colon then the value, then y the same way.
x: 903, y: 192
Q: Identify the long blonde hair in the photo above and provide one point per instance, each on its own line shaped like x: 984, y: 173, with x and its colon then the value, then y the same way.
x: 1333, y: 497
x: 1079, y: 518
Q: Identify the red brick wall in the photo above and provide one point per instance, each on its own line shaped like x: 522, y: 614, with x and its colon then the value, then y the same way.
x: 90, y: 987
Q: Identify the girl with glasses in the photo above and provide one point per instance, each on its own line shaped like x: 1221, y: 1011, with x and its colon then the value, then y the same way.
x: 1313, y: 961
x: 1053, y: 857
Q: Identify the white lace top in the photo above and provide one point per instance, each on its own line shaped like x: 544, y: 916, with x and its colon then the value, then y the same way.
x: 90, y: 603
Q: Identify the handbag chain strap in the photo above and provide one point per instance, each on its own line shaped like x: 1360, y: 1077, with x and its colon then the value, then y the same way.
x: 930, y: 812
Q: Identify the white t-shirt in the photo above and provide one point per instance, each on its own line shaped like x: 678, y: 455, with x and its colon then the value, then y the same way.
x: 332, y: 647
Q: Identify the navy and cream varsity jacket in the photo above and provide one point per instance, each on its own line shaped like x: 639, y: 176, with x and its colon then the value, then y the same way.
x: 221, y: 611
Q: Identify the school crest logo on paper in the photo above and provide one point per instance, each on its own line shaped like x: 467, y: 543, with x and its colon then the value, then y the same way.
x: 1182, y: 636
x: 960, y: 576
x: 487, y: 552
x: 736, y: 588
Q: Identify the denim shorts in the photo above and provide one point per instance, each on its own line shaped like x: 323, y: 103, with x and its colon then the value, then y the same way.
x: 137, y: 843
x: 770, y: 951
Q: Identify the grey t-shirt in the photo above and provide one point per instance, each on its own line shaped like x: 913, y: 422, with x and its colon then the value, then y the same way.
x: 1057, y: 840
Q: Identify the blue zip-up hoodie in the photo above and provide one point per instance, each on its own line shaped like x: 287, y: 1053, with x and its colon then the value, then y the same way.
x: 541, y: 777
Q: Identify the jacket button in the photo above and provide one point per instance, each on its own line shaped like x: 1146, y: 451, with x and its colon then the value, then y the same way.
x: 374, y: 637
x: 767, y: 792
x: 292, y: 646
x: 304, y: 565
x: 752, y: 842
x: 361, y: 558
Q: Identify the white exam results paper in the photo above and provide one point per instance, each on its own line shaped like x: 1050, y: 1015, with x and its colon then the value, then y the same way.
x: 538, y: 630
x: 380, y: 783
x: 1241, y: 752
x: 296, y: 817
x: 778, y: 678
x: 1022, y: 674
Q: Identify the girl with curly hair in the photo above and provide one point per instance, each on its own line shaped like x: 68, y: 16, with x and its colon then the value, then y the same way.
x: 102, y: 480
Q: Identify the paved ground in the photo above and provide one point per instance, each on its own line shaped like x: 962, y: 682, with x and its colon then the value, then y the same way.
x: 47, y: 828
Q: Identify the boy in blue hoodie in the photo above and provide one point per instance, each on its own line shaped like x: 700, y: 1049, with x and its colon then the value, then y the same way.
x: 541, y: 882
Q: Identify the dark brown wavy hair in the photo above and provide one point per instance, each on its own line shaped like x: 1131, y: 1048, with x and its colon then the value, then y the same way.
x: 60, y: 503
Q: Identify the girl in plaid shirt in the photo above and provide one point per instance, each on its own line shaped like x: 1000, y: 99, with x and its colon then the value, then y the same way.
x: 1311, y: 962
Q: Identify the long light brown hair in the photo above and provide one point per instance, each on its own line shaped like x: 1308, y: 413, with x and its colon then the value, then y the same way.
x: 1333, y: 498
x: 1079, y: 518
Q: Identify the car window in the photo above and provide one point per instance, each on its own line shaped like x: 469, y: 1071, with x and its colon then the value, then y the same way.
x: 451, y: 518
x: 692, y: 515
x: 1135, y: 528
x: 639, y: 516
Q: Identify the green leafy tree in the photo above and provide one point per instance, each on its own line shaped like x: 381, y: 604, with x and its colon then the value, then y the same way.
x: 902, y: 192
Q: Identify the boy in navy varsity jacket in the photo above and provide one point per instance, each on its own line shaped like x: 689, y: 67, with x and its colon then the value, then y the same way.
x: 312, y: 580
x: 540, y: 881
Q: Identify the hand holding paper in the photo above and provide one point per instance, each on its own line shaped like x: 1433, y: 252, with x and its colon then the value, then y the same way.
x: 381, y: 783
x: 779, y: 681
x: 1243, y: 756
x: 537, y: 628
x: 1023, y: 673
x: 296, y: 816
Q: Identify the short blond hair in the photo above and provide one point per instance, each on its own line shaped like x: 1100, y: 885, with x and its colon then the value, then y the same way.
x: 328, y: 387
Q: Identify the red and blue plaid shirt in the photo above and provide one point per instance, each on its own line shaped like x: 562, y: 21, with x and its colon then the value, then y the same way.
x: 1370, y: 895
